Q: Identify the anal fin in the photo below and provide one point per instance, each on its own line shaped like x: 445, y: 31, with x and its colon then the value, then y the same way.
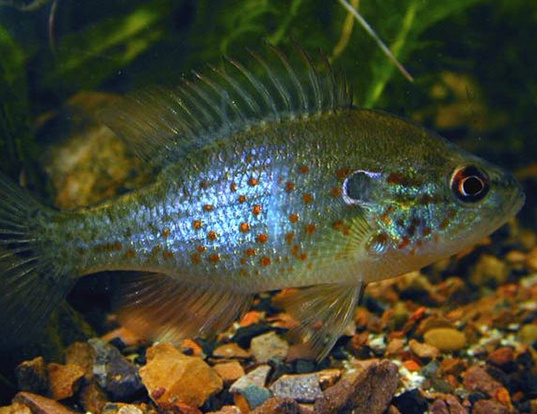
x: 164, y: 308
x: 322, y: 312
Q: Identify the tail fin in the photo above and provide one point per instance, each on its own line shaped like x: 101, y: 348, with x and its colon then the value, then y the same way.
x: 30, y: 288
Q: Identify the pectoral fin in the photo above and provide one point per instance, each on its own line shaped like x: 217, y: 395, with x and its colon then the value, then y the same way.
x: 323, y: 312
x: 163, y: 308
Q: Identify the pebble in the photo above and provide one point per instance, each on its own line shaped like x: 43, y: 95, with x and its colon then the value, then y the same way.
x: 64, y: 380
x: 411, y: 402
x: 445, y: 339
x: 39, y: 404
x: 122, y: 408
x: 423, y: 350
x: 251, y: 397
x: 267, y: 346
x: 395, y: 346
x: 489, y: 270
x: 369, y: 392
x: 489, y: 407
x: 231, y: 350
x: 476, y: 378
x: 277, y: 405
x: 113, y: 372
x: 503, y: 358
x: 448, y: 404
x: 227, y: 409
x: 229, y: 371
x: 172, y: 377
x: 528, y: 333
x: 32, y: 376
x: 531, y: 260
x: 257, y: 377
x: 328, y: 377
x: 83, y: 355
x: 303, y: 388
x: 92, y: 397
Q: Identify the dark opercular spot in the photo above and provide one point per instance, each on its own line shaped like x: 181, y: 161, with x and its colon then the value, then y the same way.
x: 470, y: 184
x: 360, y: 187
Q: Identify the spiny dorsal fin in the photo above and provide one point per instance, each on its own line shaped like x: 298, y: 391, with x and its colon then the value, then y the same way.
x: 163, y: 125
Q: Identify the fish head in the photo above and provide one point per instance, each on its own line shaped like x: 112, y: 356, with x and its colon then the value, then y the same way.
x: 425, y: 201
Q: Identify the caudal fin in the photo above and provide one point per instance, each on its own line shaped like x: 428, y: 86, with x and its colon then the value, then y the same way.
x: 30, y: 288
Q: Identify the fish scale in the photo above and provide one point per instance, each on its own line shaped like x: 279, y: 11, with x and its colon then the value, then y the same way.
x: 267, y: 178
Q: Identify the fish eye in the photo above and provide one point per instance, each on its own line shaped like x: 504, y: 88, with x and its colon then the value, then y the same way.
x: 470, y: 184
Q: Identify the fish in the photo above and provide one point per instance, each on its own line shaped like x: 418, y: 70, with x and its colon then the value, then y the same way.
x: 267, y: 177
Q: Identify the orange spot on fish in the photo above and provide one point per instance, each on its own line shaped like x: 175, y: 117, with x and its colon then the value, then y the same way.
x: 212, y: 235
x: 289, y: 186
x: 244, y: 227
x: 242, y: 198
x: 427, y: 231
x: 204, y: 184
x: 201, y: 249
x: 256, y: 210
x: 252, y: 181
x: 167, y: 254
x: 165, y: 232
x: 342, y: 227
x: 404, y: 242
x: 307, y: 198
x: 289, y: 237
x: 197, y: 224
x: 336, y: 192
x: 233, y: 187
x: 293, y: 218
x: 250, y: 252
x: 208, y: 207
x: 214, y: 258
x: 117, y: 246
x: 343, y: 173
x: 295, y: 249
x: 196, y: 258
x: 303, y: 256
x: 130, y: 253
x: 262, y: 238
x: 264, y: 261
x: 303, y: 169
x: 310, y: 228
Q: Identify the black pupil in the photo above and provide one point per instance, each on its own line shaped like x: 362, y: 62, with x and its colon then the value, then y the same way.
x: 470, y: 184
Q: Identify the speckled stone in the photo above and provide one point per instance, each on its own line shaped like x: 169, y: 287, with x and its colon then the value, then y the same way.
x: 489, y: 407
x: 445, y: 339
x: 476, y: 378
x: 251, y: 397
x: 113, y: 372
x: 267, y: 346
x: 369, y: 392
x: 257, y: 377
x: 278, y: 405
x: 303, y: 388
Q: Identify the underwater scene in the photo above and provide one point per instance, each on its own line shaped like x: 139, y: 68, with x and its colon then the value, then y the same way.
x: 268, y: 206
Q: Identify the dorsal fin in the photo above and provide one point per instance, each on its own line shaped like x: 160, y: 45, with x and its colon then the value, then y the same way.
x: 162, y: 125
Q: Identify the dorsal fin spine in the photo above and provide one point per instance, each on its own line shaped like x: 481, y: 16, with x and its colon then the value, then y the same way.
x: 163, y: 125
x: 282, y: 91
x: 259, y: 87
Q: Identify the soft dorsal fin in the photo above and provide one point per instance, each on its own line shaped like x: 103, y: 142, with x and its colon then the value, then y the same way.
x: 162, y: 125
